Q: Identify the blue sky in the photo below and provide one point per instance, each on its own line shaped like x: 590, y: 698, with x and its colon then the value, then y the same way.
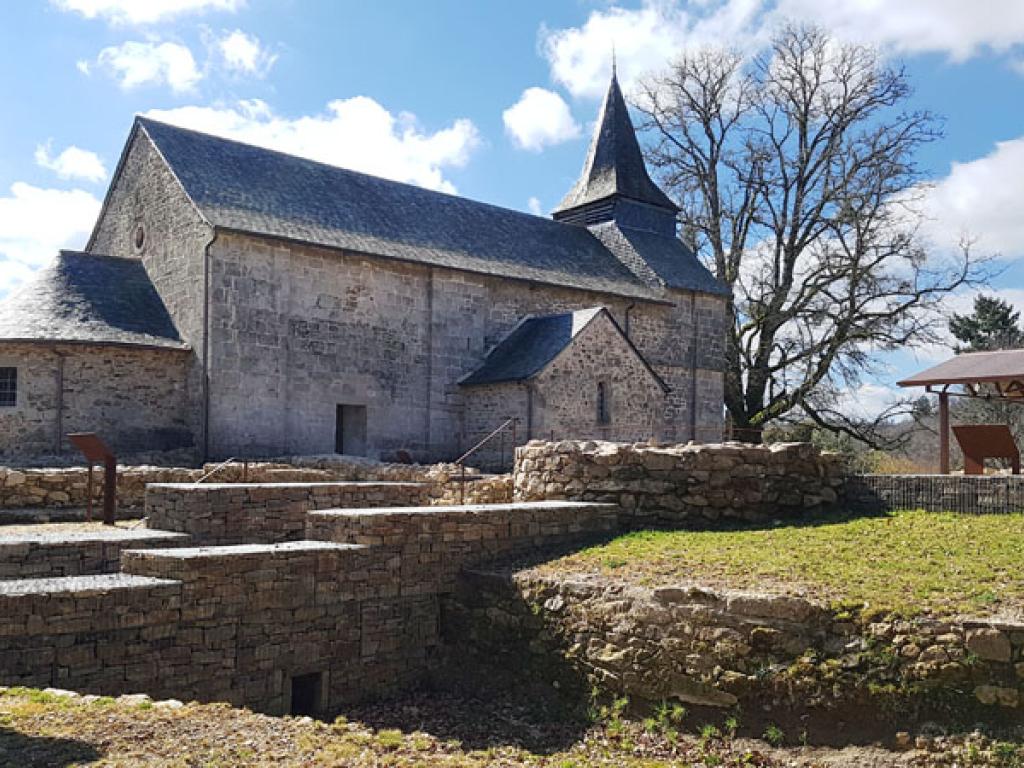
x: 493, y: 100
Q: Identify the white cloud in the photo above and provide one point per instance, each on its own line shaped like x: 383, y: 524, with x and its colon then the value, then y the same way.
x: 956, y: 28
x: 36, y: 222
x: 534, y: 205
x: 648, y: 37
x: 868, y: 400
x: 244, y: 54
x: 982, y: 198
x: 356, y: 133
x: 959, y: 304
x: 144, y: 11
x: 135, y: 63
x: 72, y: 163
x: 539, y: 119
x: 644, y: 39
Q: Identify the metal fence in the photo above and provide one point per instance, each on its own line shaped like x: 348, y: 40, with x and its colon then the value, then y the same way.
x: 981, y: 494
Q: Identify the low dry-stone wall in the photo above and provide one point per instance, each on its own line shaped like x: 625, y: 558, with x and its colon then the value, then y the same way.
x: 67, y: 487
x: 265, y: 513
x: 723, y: 648
x: 48, y: 555
x: 682, y: 484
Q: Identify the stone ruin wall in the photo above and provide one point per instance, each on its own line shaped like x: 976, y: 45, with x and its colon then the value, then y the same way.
x: 268, y: 513
x: 238, y: 624
x: 66, y: 487
x: 719, y: 648
x: 683, y: 485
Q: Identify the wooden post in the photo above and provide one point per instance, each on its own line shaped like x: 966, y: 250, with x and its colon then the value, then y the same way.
x: 943, y: 433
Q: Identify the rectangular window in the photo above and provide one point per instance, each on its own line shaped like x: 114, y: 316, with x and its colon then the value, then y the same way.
x: 604, y: 413
x: 8, y: 387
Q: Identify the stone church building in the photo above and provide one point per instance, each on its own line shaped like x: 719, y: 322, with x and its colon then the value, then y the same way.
x: 236, y: 301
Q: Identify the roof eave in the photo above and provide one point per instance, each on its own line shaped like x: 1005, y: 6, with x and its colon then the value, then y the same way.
x: 640, y: 295
x: 170, y: 347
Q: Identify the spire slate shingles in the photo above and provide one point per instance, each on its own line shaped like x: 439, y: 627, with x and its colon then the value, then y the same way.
x: 614, y: 164
x: 86, y: 298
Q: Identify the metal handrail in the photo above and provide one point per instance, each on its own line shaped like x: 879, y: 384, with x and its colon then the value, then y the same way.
x: 461, y: 461
x: 218, y: 468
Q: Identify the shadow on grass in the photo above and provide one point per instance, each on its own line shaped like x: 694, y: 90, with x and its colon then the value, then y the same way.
x: 24, y: 751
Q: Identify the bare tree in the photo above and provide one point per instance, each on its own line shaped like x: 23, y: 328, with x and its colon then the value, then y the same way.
x: 796, y: 175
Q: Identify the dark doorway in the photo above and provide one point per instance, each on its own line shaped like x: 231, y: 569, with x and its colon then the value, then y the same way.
x: 307, y: 691
x: 350, y: 430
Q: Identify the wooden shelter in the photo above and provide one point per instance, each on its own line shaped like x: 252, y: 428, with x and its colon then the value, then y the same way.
x: 996, y: 376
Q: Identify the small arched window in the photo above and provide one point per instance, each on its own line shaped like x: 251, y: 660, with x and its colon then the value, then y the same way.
x: 604, y: 414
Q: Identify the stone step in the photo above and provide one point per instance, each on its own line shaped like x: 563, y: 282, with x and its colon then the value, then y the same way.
x: 237, y: 513
x: 189, y: 563
x: 43, y: 555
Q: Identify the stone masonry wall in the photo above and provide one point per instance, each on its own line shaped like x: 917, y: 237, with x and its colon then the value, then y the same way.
x: 560, y: 403
x: 145, y: 194
x: 51, y: 555
x: 137, y: 399
x: 395, y: 338
x: 565, y: 393
x: 716, y: 648
x: 682, y: 484
x: 61, y: 487
x: 240, y: 623
x: 232, y: 626
x: 265, y: 513
x: 431, y: 545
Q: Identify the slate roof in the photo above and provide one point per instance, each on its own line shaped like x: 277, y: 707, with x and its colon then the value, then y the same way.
x: 86, y: 298
x: 533, y: 344
x: 614, y: 164
x: 667, y: 258
x: 250, y: 189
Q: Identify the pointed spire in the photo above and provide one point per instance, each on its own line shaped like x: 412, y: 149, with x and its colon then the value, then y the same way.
x: 614, y: 167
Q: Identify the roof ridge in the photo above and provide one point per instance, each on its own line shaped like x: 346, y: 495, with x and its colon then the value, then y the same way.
x: 143, y: 120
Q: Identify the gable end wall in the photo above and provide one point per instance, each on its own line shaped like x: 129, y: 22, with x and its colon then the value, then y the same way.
x: 144, y: 192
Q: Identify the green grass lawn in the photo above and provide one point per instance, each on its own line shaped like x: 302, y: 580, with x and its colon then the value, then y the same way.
x: 910, y: 562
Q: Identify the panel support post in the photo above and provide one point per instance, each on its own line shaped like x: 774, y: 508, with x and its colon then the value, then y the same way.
x: 943, y: 433
x: 109, y: 490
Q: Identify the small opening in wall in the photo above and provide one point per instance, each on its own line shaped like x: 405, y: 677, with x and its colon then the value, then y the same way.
x: 604, y: 415
x: 306, y: 693
x: 350, y: 430
x: 8, y: 387
x: 140, y: 237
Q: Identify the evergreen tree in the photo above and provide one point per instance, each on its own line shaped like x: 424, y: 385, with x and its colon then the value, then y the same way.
x: 993, y: 325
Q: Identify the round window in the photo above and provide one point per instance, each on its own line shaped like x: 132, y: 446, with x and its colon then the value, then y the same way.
x: 140, y: 237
